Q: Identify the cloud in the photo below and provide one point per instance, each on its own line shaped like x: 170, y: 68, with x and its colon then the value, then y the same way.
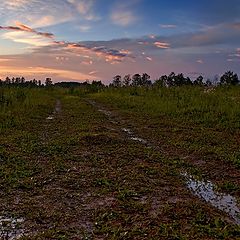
x: 200, y: 61
x: 24, y: 34
x: 12, y: 4
x: 162, y: 45
x: 123, y: 17
x: 167, y: 26
x: 108, y: 54
x: 85, y: 9
x: 149, y: 58
x: 23, y: 28
x: 93, y: 72
x: 84, y: 28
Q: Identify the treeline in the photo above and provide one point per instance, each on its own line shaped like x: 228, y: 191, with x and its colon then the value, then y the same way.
x: 22, y: 82
x: 228, y: 78
x: 171, y: 80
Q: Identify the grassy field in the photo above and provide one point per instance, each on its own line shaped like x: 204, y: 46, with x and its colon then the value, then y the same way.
x: 78, y: 175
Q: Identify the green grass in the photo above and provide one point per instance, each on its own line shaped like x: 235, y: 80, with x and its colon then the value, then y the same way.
x: 18, y: 105
x: 218, y: 107
x: 79, y: 177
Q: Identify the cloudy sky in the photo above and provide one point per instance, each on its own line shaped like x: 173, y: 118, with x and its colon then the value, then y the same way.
x: 71, y: 40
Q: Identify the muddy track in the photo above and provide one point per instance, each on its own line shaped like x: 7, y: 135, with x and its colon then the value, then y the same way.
x: 203, y: 188
x: 88, y: 175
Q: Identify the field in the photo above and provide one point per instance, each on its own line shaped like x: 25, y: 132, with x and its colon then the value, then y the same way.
x: 120, y: 163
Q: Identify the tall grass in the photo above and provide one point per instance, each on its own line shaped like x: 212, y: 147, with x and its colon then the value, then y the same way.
x: 217, y: 107
x: 18, y: 105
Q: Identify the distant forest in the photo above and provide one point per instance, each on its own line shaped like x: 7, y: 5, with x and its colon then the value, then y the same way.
x: 171, y: 80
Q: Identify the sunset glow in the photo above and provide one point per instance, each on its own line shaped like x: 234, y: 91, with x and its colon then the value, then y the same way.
x: 75, y: 40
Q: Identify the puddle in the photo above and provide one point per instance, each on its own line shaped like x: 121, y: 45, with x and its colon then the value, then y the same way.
x: 128, y: 131
x: 137, y: 139
x: 57, y: 109
x: 105, y: 112
x: 10, y: 228
x: 205, y: 190
x: 50, y: 118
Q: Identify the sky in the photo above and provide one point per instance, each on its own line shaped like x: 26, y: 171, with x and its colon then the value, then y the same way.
x: 78, y: 40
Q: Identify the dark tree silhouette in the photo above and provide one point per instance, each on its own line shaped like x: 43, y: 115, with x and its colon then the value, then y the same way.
x: 127, y: 80
x: 208, y: 83
x: 8, y: 80
x: 48, y: 82
x: 136, y: 79
x: 229, y: 78
x: 199, y: 81
x: 145, y: 79
x: 117, y: 81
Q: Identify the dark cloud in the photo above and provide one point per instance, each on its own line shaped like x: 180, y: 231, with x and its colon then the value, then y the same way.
x: 23, y: 28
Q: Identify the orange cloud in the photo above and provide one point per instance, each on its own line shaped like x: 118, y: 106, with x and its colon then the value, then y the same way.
x: 162, y: 45
x: 109, y: 55
x: 23, y: 28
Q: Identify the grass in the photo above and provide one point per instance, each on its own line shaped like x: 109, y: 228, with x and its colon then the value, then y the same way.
x: 18, y: 105
x: 79, y: 177
x: 218, y: 108
x: 196, y: 124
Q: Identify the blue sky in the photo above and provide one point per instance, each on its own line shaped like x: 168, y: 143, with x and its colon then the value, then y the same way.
x: 97, y: 39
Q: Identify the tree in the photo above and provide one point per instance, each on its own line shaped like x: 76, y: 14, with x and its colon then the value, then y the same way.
x: 199, y: 81
x: 117, y: 81
x: 127, y: 80
x: 145, y: 79
x: 170, y: 81
x: 208, y: 83
x: 48, y: 82
x: 7, y: 80
x: 162, y: 81
x: 229, y: 78
x: 136, y: 79
x: 22, y: 81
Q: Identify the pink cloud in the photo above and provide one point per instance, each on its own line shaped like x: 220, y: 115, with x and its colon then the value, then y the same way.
x: 162, y: 45
x: 23, y: 28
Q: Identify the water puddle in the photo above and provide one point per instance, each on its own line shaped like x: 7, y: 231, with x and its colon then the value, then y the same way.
x: 132, y: 137
x: 105, y: 112
x: 57, y: 109
x: 10, y: 228
x: 205, y: 190
x: 137, y: 139
x: 50, y: 118
x: 128, y: 131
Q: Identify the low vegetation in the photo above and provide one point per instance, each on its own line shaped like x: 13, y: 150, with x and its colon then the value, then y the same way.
x: 77, y: 175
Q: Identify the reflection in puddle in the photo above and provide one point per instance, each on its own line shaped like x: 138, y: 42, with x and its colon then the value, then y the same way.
x: 10, y: 228
x: 205, y: 190
x: 126, y: 130
x: 202, y: 189
x: 107, y: 113
x: 132, y: 137
x: 57, y: 109
x: 139, y: 140
x: 50, y: 118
